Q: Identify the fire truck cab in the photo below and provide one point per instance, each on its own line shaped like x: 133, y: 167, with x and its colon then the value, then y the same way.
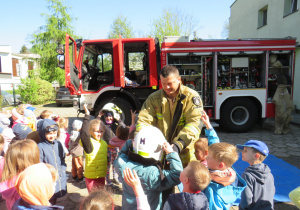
x: 235, y: 78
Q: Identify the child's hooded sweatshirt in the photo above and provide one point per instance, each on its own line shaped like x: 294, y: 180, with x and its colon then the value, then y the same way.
x: 260, y: 190
x: 53, y: 154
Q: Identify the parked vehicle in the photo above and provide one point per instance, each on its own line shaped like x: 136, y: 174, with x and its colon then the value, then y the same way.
x: 8, y: 99
x: 63, y: 96
x: 235, y: 78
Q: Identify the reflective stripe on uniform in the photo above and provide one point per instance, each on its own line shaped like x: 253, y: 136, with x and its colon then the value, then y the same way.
x: 193, y: 129
x: 182, y: 120
x: 187, y: 156
x: 159, y: 116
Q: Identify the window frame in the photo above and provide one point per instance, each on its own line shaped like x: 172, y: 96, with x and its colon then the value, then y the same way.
x: 290, y: 7
x: 262, y: 17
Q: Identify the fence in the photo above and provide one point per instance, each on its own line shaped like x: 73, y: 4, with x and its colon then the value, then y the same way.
x: 9, y: 94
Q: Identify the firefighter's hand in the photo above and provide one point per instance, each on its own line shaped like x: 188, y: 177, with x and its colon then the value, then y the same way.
x: 205, y: 120
x: 133, y: 117
x: 87, y: 112
x: 167, y: 147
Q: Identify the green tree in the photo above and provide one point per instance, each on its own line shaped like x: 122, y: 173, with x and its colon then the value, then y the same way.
x: 173, y: 23
x: 120, y: 26
x: 24, y: 49
x: 48, y: 37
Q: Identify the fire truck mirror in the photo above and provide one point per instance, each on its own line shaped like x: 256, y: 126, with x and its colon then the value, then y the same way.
x: 60, y: 61
x: 60, y: 49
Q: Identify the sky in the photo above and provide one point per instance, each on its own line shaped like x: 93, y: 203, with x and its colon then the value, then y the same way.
x: 20, y: 19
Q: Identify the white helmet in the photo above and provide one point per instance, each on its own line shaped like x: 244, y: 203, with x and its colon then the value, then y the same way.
x: 148, y: 142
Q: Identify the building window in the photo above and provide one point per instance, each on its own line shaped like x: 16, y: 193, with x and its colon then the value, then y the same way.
x: 262, y: 16
x: 290, y: 6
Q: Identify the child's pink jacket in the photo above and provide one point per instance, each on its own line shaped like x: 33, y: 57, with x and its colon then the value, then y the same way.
x: 9, y: 192
x: 117, y: 142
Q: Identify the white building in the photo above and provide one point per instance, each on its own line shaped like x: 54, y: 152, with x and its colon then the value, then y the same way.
x: 14, y: 67
x: 268, y: 19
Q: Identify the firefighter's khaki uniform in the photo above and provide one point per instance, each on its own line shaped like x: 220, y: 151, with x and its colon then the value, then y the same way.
x: 178, y: 122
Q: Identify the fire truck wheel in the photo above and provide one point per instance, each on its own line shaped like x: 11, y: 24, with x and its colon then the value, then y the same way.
x: 121, y: 103
x: 238, y: 115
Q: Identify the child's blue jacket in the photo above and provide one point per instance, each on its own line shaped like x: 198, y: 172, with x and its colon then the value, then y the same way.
x: 212, y: 136
x: 222, y: 197
x: 149, y: 176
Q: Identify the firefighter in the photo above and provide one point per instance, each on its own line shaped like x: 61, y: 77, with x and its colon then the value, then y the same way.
x: 176, y: 111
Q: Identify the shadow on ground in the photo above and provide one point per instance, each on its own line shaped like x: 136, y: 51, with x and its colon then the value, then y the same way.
x: 54, y: 105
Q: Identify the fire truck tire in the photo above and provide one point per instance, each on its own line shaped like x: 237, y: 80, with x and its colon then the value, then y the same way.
x: 124, y: 105
x: 238, y: 115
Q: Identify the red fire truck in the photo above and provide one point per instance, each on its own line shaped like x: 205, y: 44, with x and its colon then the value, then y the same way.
x: 235, y: 78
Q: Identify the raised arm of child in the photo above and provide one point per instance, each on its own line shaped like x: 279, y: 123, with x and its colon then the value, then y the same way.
x: 133, y: 119
x: 84, y: 133
x: 210, y: 133
x: 132, y: 179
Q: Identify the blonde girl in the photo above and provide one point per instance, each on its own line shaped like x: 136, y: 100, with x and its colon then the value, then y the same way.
x: 18, y: 157
x: 95, y: 149
x: 64, y: 136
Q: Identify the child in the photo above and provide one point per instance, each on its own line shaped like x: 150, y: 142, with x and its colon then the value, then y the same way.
x: 260, y: 189
x: 19, y: 156
x: 121, y: 137
x: 195, y: 177
x: 51, y: 152
x: 115, y: 144
x: 2, y: 160
x: 76, y: 151
x: 35, y: 186
x: 21, y: 131
x: 144, y: 154
x: 64, y: 137
x: 7, y: 132
x: 99, y: 199
x: 226, y: 185
x: 18, y: 117
x: 28, y: 113
x: 46, y: 114
x: 295, y: 196
x: 201, y: 145
x: 95, y: 150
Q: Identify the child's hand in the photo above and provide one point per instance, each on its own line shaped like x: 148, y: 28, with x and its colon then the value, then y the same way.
x: 167, y: 147
x: 101, y: 113
x: 118, y: 118
x: 132, y: 179
x: 205, y: 120
x: 133, y: 117
x: 87, y: 112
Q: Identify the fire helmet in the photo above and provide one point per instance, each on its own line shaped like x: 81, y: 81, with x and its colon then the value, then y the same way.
x: 148, y: 142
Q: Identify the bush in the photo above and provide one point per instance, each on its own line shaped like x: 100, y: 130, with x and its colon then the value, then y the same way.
x: 36, y: 91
